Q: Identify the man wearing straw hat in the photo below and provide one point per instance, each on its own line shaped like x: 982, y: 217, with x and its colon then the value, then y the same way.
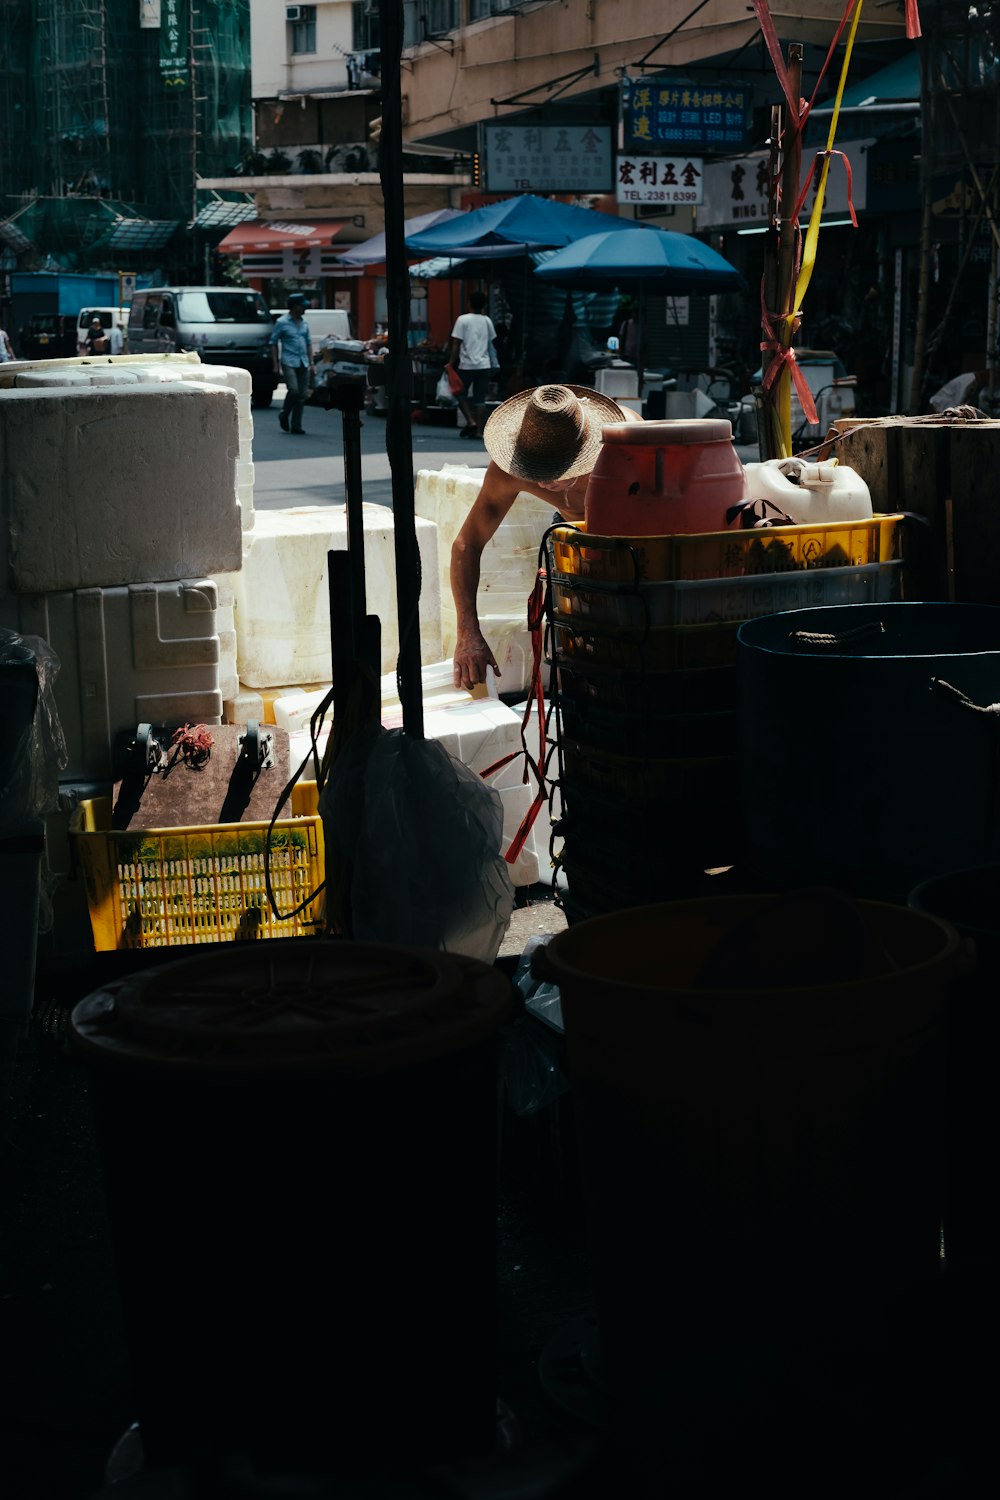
x: 541, y: 442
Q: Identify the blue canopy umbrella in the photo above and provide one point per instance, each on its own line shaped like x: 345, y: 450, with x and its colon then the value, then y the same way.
x: 676, y: 263
x: 637, y: 257
x: 526, y: 223
x: 372, y: 252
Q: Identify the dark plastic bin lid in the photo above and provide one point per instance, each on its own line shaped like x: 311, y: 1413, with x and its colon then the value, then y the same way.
x: 278, y: 1007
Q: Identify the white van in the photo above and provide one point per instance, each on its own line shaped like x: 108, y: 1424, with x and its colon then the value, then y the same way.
x: 323, y: 323
x: 225, y: 325
x: 109, y: 316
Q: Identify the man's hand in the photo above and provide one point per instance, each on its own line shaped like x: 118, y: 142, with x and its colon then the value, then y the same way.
x: 472, y: 657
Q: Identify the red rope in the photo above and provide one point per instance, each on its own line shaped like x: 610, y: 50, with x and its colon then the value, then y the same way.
x: 536, y: 700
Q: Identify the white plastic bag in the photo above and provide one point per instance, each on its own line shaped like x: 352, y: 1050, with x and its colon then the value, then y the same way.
x: 417, y: 837
x: 33, y: 749
x: 443, y: 393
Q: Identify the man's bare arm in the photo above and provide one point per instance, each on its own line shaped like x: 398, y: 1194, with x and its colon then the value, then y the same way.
x: 497, y: 495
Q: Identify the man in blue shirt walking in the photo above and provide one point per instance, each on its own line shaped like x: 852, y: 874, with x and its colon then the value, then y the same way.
x: 291, y: 333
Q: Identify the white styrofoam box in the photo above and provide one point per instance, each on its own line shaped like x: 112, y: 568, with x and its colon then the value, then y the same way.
x: 243, y: 708
x: 106, y: 487
x: 110, y: 376
x: 509, y: 639
x: 225, y: 588
x: 617, y: 380
x: 509, y: 563
x: 539, y: 838
x: 516, y: 802
x: 229, y: 681
x: 294, y: 709
x: 145, y: 653
x: 282, y: 592
x: 27, y: 379
x: 15, y: 367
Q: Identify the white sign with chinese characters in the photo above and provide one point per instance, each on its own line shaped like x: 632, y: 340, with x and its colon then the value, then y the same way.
x: 659, y: 179
x: 736, y: 191
x: 547, y: 158
x: 149, y: 14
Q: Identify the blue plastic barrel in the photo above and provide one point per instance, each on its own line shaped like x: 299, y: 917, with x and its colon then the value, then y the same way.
x: 869, y: 757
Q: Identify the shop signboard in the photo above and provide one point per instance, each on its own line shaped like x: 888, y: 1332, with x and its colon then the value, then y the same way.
x: 736, y: 192
x: 659, y: 179
x: 667, y: 112
x: 547, y: 158
x: 175, y: 27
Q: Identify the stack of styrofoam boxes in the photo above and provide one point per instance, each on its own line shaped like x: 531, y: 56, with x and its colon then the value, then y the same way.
x: 282, y: 597
x: 117, y: 505
x: 136, y: 369
x: 476, y: 728
x: 508, y: 566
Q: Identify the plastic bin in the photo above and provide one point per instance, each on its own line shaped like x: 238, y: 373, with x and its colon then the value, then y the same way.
x: 705, y: 601
x: 162, y: 887
x: 677, y: 736
x: 710, y: 690
x: 299, y: 1153
x: 638, y: 781
x: 673, y: 648
x: 607, y: 831
x: 725, y: 554
x: 903, y: 773
x: 759, y: 1134
x: 970, y: 901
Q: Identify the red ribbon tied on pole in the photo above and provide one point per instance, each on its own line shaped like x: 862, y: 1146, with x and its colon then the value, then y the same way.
x: 773, y: 345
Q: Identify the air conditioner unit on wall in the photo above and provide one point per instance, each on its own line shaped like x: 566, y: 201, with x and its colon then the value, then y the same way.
x: 294, y: 12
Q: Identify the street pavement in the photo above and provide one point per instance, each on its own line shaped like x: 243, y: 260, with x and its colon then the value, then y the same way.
x: 291, y: 471
x: 309, y: 470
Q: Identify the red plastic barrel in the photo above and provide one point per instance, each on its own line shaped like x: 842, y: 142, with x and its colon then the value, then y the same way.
x: 660, y: 478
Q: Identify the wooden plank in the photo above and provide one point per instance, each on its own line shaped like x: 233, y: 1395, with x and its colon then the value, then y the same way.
x: 185, y: 797
x: 975, y: 462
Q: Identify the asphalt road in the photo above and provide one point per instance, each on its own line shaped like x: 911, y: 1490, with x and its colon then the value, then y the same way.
x: 310, y: 470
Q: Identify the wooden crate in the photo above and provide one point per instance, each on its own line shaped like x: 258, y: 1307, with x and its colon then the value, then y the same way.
x: 940, y: 470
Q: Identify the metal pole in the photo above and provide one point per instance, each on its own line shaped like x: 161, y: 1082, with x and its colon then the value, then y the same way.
x: 399, y: 436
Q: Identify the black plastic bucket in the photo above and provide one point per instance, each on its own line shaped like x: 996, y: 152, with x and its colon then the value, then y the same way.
x: 756, y: 1083
x: 299, y: 1146
x: 866, y: 758
x: 970, y: 901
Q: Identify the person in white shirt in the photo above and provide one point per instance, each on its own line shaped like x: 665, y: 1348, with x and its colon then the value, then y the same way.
x: 469, y: 352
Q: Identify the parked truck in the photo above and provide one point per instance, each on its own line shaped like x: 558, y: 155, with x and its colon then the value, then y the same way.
x: 45, y: 306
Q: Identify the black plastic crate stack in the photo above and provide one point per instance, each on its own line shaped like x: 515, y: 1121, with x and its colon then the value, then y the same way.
x: 642, y: 634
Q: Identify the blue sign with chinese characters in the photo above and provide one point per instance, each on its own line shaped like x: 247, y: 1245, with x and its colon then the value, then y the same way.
x: 673, y: 112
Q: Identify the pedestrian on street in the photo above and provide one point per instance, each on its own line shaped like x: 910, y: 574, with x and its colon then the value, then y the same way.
x: 291, y: 352
x: 471, y: 340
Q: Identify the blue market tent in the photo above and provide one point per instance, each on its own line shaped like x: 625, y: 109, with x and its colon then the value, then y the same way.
x: 520, y: 224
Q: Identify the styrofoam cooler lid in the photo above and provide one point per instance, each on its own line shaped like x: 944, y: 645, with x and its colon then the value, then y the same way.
x: 670, y: 431
x: 344, y: 1008
x: 30, y: 378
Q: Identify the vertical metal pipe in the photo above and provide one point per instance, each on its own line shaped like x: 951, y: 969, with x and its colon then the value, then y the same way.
x: 399, y: 438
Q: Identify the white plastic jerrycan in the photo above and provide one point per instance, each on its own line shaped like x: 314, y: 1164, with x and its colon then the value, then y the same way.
x: 810, y: 492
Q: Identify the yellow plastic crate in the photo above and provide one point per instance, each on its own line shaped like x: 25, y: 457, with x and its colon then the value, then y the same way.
x: 726, y: 554
x: 669, y: 649
x: 161, y: 887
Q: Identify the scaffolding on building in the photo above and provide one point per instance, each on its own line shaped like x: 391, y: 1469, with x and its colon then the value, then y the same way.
x: 95, y: 119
